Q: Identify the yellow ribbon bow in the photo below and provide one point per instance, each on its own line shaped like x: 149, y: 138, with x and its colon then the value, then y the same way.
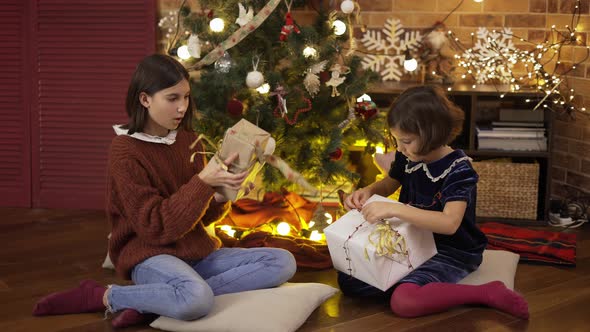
x: 388, y: 242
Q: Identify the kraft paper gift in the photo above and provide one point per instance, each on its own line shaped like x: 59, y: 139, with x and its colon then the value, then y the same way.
x: 255, y: 148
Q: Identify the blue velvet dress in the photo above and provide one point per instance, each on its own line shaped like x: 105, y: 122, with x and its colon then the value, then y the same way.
x: 430, y: 187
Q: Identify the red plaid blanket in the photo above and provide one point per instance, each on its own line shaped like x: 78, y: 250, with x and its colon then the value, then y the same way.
x: 532, y: 245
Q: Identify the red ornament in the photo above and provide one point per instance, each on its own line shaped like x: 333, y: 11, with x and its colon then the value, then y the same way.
x: 336, y: 154
x: 367, y: 109
x: 324, y: 76
x: 235, y: 108
x: 288, y: 28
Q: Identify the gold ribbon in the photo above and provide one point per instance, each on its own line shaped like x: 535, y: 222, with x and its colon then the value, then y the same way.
x: 215, y: 146
x: 387, y: 241
x: 359, y: 21
x: 238, y: 35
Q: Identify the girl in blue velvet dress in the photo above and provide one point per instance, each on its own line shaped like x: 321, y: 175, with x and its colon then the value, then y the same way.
x: 439, y: 189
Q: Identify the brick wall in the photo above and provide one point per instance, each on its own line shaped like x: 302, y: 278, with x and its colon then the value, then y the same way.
x: 530, y: 19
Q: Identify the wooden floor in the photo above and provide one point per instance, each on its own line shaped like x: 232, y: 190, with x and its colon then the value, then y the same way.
x: 48, y: 250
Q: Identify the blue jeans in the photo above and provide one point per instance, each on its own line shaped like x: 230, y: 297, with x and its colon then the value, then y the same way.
x: 185, y: 290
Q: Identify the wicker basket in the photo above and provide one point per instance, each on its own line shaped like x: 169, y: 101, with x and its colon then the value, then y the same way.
x: 507, y: 190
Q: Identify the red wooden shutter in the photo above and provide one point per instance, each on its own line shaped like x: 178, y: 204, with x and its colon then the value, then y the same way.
x: 15, y: 152
x: 84, y: 54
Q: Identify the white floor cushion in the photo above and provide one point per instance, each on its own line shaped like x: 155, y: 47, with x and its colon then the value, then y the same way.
x: 283, y: 309
x: 496, y: 265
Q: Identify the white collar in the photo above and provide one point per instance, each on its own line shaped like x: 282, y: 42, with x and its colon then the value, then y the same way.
x: 423, y: 166
x: 168, y: 140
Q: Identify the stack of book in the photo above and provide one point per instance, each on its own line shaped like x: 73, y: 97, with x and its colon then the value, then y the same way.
x: 516, y: 130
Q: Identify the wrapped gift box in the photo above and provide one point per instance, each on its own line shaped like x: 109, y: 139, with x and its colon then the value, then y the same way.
x: 253, y: 146
x: 352, y: 245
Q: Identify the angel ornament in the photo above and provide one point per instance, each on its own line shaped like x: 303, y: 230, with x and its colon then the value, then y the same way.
x: 281, y: 100
x: 337, y: 70
x: 312, y: 80
x: 244, y: 16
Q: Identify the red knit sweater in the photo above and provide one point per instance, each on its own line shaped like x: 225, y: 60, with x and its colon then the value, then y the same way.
x: 156, y: 203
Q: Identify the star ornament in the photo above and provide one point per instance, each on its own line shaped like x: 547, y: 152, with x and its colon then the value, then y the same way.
x: 244, y: 16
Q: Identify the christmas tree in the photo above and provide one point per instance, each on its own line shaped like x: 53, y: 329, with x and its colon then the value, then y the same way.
x: 299, y: 83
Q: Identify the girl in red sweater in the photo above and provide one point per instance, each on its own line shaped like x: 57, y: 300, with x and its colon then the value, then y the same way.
x: 158, y: 204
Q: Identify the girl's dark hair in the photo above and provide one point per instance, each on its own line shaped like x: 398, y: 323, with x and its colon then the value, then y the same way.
x: 154, y: 73
x: 426, y: 111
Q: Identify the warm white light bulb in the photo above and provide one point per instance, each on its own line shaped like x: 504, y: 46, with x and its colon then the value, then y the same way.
x: 310, y: 52
x: 364, y: 97
x: 347, y: 6
x: 283, y: 228
x: 339, y: 27
x: 217, y: 25
x: 183, y: 52
x: 264, y: 88
x: 477, y: 0
x: 329, y: 218
x: 228, y: 230
x: 411, y: 64
x: 315, y: 236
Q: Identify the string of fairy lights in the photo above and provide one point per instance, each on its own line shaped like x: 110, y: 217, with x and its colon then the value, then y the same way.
x: 543, y: 67
x: 510, y: 69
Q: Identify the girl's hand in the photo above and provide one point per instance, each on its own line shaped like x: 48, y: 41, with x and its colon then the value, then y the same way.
x: 376, y: 211
x: 216, y: 175
x: 357, y: 199
x: 219, y: 198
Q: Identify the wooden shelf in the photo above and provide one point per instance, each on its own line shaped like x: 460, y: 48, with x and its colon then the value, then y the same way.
x: 465, y: 89
x: 504, y: 153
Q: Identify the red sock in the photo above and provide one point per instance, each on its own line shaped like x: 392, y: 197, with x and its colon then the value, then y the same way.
x: 87, y: 297
x: 411, y: 300
x: 130, y: 317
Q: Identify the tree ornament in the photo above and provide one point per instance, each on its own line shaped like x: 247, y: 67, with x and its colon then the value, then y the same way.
x: 351, y: 116
x: 289, y: 26
x: 347, y: 6
x: 311, y: 80
x: 235, y: 108
x: 254, y: 79
x: 337, y: 69
x: 281, y: 101
x: 280, y: 110
x: 194, y: 46
x: 244, y: 17
x: 224, y: 64
x: 336, y: 154
x: 367, y: 109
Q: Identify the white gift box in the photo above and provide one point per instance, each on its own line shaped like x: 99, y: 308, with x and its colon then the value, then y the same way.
x: 353, y: 253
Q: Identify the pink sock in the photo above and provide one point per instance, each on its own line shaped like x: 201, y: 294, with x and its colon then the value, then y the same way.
x: 411, y: 300
x: 87, y: 297
x: 131, y: 317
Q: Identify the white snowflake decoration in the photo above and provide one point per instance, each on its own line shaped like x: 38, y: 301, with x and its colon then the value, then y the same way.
x: 492, y: 56
x: 391, y: 65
